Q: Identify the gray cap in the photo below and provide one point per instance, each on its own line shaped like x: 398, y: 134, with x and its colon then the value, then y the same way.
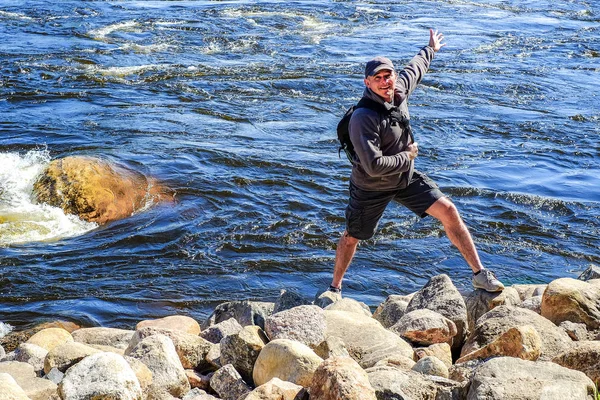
x: 377, y: 64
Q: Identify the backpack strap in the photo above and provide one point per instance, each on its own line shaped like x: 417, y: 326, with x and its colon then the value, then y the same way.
x: 394, y: 114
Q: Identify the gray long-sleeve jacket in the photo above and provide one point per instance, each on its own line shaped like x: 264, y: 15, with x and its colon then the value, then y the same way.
x: 382, y: 162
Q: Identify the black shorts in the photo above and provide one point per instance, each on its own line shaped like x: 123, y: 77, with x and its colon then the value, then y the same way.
x: 365, y: 207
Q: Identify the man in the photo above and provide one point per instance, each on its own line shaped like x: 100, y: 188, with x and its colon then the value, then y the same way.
x: 383, y: 168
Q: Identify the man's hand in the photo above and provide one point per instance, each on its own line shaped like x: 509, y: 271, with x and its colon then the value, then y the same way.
x: 435, y: 40
x: 413, y: 150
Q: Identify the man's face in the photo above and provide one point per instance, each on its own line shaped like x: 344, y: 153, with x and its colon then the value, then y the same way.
x: 383, y: 84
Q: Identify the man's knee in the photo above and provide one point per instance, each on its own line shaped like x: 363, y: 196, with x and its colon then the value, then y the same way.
x: 349, y: 239
x: 445, y: 211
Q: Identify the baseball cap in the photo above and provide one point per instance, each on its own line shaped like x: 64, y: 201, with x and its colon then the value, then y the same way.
x: 377, y: 64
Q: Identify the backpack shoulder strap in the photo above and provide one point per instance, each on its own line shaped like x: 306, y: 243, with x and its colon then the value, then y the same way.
x: 365, y: 102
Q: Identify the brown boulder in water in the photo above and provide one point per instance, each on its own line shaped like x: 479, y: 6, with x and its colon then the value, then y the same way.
x: 94, y: 189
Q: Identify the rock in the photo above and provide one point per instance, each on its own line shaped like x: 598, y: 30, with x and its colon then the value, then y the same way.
x: 577, y: 332
x: 197, y: 380
x: 440, y: 295
x: 582, y: 356
x: 11, y: 341
x: 397, y: 361
x: 245, y: 312
x: 568, y: 299
x: 522, y: 342
x: 350, y: 305
x: 173, y: 322
x: 191, y: 349
x: 160, y: 356
x: 54, y: 376
x: 100, y: 376
x: 326, y: 298
x: 198, y: 394
x: 393, y: 384
x: 341, y: 378
x: 425, y: 326
x: 441, y: 351
x: 33, y: 355
x: 118, y: 338
x: 218, y: 331
x: 67, y: 354
x: 20, y: 371
x: 10, y: 389
x: 41, y: 389
x: 528, y: 291
x: 49, y: 338
x: 228, y: 383
x: 287, y: 360
x: 463, y: 372
x: 2, y: 353
x: 108, y: 349
x: 512, y: 378
x: 276, y: 389
x: 241, y: 350
x: 533, y: 303
x: 391, y: 310
x: 431, y: 365
x: 480, y: 302
x: 304, y: 324
x: 592, y: 272
x: 94, y: 189
x: 141, y: 371
x: 366, y: 340
x: 499, y: 320
x: 35, y: 388
x: 330, y: 347
x: 287, y: 300
x: 213, y: 357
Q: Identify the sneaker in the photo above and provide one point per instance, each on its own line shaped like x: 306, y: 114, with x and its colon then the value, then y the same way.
x: 487, y: 281
x: 335, y: 289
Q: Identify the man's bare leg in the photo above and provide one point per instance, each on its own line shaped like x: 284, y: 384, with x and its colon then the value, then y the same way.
x: 343, y: 256
x: 458, y: 233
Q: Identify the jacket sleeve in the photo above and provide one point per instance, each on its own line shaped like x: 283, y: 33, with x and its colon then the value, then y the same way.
x: 365, y: 136
x: 413, y: 73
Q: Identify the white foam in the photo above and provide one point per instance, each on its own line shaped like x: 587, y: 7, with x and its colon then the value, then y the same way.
x: 5, y: 329
x: 12, y: 15
x: 21, y: 219
x: 107, y: 30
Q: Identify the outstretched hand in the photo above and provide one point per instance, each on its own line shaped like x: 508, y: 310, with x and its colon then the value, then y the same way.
x: 435, y: 40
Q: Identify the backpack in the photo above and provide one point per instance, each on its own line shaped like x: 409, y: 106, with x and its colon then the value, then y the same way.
x: 343, y: 132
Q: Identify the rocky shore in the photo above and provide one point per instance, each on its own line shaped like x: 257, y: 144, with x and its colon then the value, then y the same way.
x: 527, y: 342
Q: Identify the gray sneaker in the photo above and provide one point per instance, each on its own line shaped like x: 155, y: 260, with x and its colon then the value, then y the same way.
x: 487, y: 281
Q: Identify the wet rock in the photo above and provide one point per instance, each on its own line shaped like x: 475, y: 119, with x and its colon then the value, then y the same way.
x: 179, y: 323
x: 287, y: 300
x: 522, y: 342
x: 287, y: 360
x: 350, y: 305
x: 582, y: 356
x: 241, y: 350
x: 95, y: 190
x: 592, y: 272
x: 341, y: 378
x: 304, y: 324
x: 431, y: 365
x: 67, y: 354
x: 568, y: 299
x: 118, y: 338
x: 391, y: 310
x: 228, y: 383
x: 425, y: 326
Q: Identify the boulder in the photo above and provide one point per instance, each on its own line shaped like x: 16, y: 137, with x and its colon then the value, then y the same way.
x: 11, y: 341
x: 522, y: 342
x: 217, y: 332
x: 391, y: 310
x: 213, y: 357
x: 10, y: 389
x: 94, y: 189
x: 331, y: 346
x: 100, y: 376
x: 304, y: 324
x: 527, y: 291
x: 425, y: 327
x: 326, y: 298
x: 33, y: 355
x: 341, y: 378
x: 463, y: 372
x: 228, y: 383
x: 245, y: 312
x: 54, y: 376
x: 582, y: 356
x: 20, y: 371
x: 397, y: 361
x: 198, y: 394
x: 287, y: 300
x: 160, y: 356
x: 118, y: 338
x: 499, y: 320
x: 287, y: 360
x: 577, y: 332
x: 366, y: 340
x: 241, y: 350
x: 351, y: 305
x: 441, y: 351
x: 179, y: 323
x: 592, y: 272
x: 393, y: 384
x: 2, y: 353
x: 533, y: 303
x: 431, y: 365
x: 440, y: 295
x: 480, y: 302
x: 191, y: 349
x: 507, y: 378
x: 197, y: 380
x: 141, y: 371
x: 49, y: 338
x: 35, y: 388
x: 276, y: 389
x: 568, y: 299
x: 67, y: 354
x: 41, y: 389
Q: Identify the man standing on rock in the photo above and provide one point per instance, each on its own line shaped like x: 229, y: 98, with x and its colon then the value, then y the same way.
x: 383, y: 166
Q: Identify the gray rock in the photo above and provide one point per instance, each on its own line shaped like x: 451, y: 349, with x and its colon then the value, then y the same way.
x: 527, y: 291
x: 533, y: 303
x: 198, y: 394
x: 54, y: 376
x: 213, y: 357
x: 287, y: 300
x: 508, y: 378
x: 391, y: 310
x: 228, y: 383
x: 245, y: 312
x: 67, y: 354
x: 440, y: 295
x: 394, y: 384
x: 216, y: 332
x: 480, y: 302
x: 304, y: 324
x: 350, y: 305
x: 20, y: 371
x: 241, y: 350
x: 592, y: 272
x: 113, y: 337
x: 32, y: 354
x: 331, y: 347
x: 424, y: 326
x: 326, y: 298
x: 577, y: 332
x: 430, y: 365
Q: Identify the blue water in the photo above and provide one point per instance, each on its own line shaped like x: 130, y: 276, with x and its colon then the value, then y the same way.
x: 233, y: 105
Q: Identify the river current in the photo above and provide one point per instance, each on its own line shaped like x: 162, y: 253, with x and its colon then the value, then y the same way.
x: 234, y: 104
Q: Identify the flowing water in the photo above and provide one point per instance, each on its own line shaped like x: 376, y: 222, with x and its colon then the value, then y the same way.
x: 233, y: 105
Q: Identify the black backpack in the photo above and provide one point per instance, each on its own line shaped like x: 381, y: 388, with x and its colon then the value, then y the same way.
x: 343, y: 132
